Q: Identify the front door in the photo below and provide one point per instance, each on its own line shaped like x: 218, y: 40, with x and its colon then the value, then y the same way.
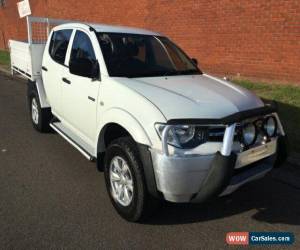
x: 80, y: 92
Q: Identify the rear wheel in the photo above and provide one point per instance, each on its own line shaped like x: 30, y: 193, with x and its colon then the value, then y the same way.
x: 40, y: 117
x: 125, y: 181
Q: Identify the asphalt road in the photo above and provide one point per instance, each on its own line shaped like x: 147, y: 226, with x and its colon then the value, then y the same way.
x: 51, y: 197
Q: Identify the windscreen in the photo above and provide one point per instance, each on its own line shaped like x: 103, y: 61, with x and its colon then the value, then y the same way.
x: 133, y: 55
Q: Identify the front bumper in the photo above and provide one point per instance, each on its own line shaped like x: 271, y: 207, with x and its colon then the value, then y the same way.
x: 196, y: 178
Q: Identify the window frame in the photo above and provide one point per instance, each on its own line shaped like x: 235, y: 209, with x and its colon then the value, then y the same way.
x: 69, y: 42
x: 73, y: 40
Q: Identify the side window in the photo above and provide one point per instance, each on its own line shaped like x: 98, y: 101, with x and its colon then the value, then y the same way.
x: 82, y: 48
x: 59, y: 45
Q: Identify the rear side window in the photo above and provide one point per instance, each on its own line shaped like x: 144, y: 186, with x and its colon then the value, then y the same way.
x: 59, y: 45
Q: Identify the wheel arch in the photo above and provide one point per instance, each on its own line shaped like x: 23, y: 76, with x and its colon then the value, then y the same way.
x: 38, y: 86
x: 120, y: 121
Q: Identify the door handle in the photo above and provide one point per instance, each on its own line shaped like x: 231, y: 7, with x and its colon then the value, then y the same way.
x: 66, y: 80
x: 91, y: 98
x: 44, y: 68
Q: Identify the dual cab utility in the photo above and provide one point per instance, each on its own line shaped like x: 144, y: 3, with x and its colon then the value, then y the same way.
x: 137, y: 104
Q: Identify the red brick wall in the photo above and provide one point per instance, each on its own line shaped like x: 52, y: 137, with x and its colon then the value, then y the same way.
x: 253, y: 38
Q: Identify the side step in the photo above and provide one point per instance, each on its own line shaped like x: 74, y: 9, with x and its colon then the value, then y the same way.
x: 74, y: 140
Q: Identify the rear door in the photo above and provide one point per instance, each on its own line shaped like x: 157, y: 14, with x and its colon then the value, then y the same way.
x: 53, y: 66
x: 80, y: 93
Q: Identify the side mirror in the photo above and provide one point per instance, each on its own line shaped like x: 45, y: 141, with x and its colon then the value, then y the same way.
x: 195, y: 61
x: 85, y: 68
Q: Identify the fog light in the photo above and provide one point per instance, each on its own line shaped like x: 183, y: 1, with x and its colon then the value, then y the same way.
x: 249, y: 134
x: 270, y: 126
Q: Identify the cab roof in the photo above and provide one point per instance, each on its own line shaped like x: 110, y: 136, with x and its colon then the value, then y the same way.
x: 108, y: 28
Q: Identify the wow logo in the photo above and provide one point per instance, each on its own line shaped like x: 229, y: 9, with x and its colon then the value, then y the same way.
x: 259, y: 238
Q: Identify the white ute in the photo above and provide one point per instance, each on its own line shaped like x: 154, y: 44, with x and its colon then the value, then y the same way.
x: 134, y: 102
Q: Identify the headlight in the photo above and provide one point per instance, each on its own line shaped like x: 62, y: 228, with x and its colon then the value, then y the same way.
x: 249, y: 134
x: 184, y: 133
x: 270, y: 126
x: 184, y: 136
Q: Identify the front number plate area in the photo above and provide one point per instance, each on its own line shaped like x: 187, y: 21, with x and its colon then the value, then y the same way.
x: 256, y: 154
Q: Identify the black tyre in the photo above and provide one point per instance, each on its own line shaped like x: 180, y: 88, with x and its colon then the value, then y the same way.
x: 125, y: 181
x: 40, y: 117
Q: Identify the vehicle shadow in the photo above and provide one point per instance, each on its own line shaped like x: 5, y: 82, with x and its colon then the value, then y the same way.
x: 272, y: 202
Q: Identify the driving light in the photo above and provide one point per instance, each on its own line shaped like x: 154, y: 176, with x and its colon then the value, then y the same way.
x: 249, y: 134
x: 270, y: 126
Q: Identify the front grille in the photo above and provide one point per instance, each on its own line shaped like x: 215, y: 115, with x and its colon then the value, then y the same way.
x: 216, y: 134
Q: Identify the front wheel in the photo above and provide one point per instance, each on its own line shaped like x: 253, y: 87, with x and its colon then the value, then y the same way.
x: 125, y: 181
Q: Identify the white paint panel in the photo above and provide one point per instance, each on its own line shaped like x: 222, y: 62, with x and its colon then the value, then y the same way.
x: 27, y: 58
x: 24, y: 8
